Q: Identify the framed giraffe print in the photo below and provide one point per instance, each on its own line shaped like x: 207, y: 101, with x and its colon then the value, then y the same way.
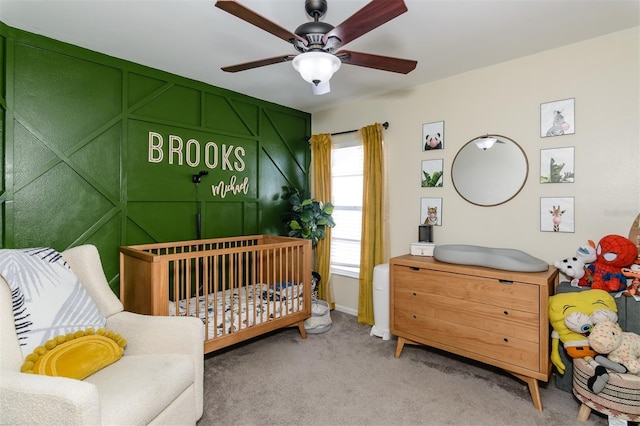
x: 557, y: 214
x: 431, y: 211
x: 557, y: 118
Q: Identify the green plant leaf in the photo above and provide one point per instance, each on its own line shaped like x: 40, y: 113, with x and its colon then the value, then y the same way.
x: 294, y: 225
x: 306, y: 216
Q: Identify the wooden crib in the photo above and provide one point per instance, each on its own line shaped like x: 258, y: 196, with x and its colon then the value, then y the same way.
x: 241, y: 287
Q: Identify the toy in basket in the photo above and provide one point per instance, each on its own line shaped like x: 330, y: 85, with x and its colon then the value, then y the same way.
x: 320, y: 320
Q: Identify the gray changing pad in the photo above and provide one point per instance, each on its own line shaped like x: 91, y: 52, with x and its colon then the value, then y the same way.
x: 497, y: 258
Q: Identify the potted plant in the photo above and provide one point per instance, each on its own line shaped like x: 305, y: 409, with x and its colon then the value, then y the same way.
x: 307, y: 218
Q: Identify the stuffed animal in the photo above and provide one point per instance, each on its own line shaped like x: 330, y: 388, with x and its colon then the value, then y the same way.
x: 572, y: 315
x: 613, y: 253
x: 570, y: 318
x: 633, y: 280
x: 607, y: 337
x: 573, y: 267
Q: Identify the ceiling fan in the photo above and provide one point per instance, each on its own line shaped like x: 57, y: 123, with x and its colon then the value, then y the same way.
x: 318, y: 42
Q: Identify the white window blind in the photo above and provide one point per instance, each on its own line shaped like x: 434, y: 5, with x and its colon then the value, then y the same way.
x: 346, y: 186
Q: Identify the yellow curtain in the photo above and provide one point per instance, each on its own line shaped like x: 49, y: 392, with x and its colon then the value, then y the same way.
x: 372, y: 249
x: 321, y: 171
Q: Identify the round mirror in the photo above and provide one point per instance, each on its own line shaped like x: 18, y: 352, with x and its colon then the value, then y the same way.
x: 489, y: 170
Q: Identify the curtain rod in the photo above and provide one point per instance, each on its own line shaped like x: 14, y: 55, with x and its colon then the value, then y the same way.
x: 385, y: 125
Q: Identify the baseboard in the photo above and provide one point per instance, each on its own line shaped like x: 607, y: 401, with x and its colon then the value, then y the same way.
x: 347, y: 310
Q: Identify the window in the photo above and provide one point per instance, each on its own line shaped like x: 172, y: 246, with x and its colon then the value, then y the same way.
x: 346, y: 187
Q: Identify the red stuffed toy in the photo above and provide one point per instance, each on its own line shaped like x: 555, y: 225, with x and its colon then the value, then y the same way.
x: 613, y: 253
x: 633, y: 274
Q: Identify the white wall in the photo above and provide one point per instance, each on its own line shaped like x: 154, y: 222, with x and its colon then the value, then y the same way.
x: 602, y: 74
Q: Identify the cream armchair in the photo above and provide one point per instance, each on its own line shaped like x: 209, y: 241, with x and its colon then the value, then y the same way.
x: 157, y: 381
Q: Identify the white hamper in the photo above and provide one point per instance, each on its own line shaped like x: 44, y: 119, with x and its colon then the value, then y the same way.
x: 381, y: 301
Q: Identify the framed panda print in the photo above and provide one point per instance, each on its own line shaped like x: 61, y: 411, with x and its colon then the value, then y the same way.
x: 433, y: 136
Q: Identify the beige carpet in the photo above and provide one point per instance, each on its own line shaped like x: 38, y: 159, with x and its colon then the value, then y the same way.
x: 346, y: 377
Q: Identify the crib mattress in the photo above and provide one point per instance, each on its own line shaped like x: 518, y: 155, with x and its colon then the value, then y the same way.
x: 228, y: 311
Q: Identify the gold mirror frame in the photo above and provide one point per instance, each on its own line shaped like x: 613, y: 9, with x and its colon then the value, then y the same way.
x: 490, y: 177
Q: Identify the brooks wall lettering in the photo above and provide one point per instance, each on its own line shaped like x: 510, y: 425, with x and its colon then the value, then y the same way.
x: 178, y: 153
x: 171, y: 158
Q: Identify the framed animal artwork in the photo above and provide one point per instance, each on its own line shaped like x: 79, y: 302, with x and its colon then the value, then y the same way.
x: 557, y: 165
x: 557, y: 118
x: 557, y: 214
x: 431, y: 211
x: 433, y: 136
x: 432, y: 173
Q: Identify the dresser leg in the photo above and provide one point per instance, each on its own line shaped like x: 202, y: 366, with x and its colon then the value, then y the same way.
x: 534, y: 390
x: 399, y: 346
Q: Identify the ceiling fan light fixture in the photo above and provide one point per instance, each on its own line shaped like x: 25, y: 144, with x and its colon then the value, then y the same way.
x: 316, y: 67
x: 321, y: 88
x: 486, y: 142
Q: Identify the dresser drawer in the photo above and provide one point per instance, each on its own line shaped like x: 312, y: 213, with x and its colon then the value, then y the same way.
x: 508, y: 322
x: 488, y: 291
x: 433, y: 331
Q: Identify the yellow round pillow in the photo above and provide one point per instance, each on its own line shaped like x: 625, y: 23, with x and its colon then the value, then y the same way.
x: 76, y: 355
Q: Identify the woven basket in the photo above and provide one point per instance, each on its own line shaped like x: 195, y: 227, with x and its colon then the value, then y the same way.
x: 620, y: 397
x: 320, y: 320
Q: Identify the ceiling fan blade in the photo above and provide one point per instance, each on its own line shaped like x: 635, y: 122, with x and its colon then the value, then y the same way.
x: 384, y: 63
x: 374, y: 14
x: 258, y: 63
x: 248, y: 15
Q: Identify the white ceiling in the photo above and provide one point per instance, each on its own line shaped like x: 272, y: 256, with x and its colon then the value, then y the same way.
x: 192, y: 38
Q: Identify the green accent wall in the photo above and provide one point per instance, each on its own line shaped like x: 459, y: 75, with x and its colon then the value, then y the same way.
x: 98, y: 150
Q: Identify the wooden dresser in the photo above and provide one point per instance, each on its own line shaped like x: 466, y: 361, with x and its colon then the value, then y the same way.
x: 489, y: 315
